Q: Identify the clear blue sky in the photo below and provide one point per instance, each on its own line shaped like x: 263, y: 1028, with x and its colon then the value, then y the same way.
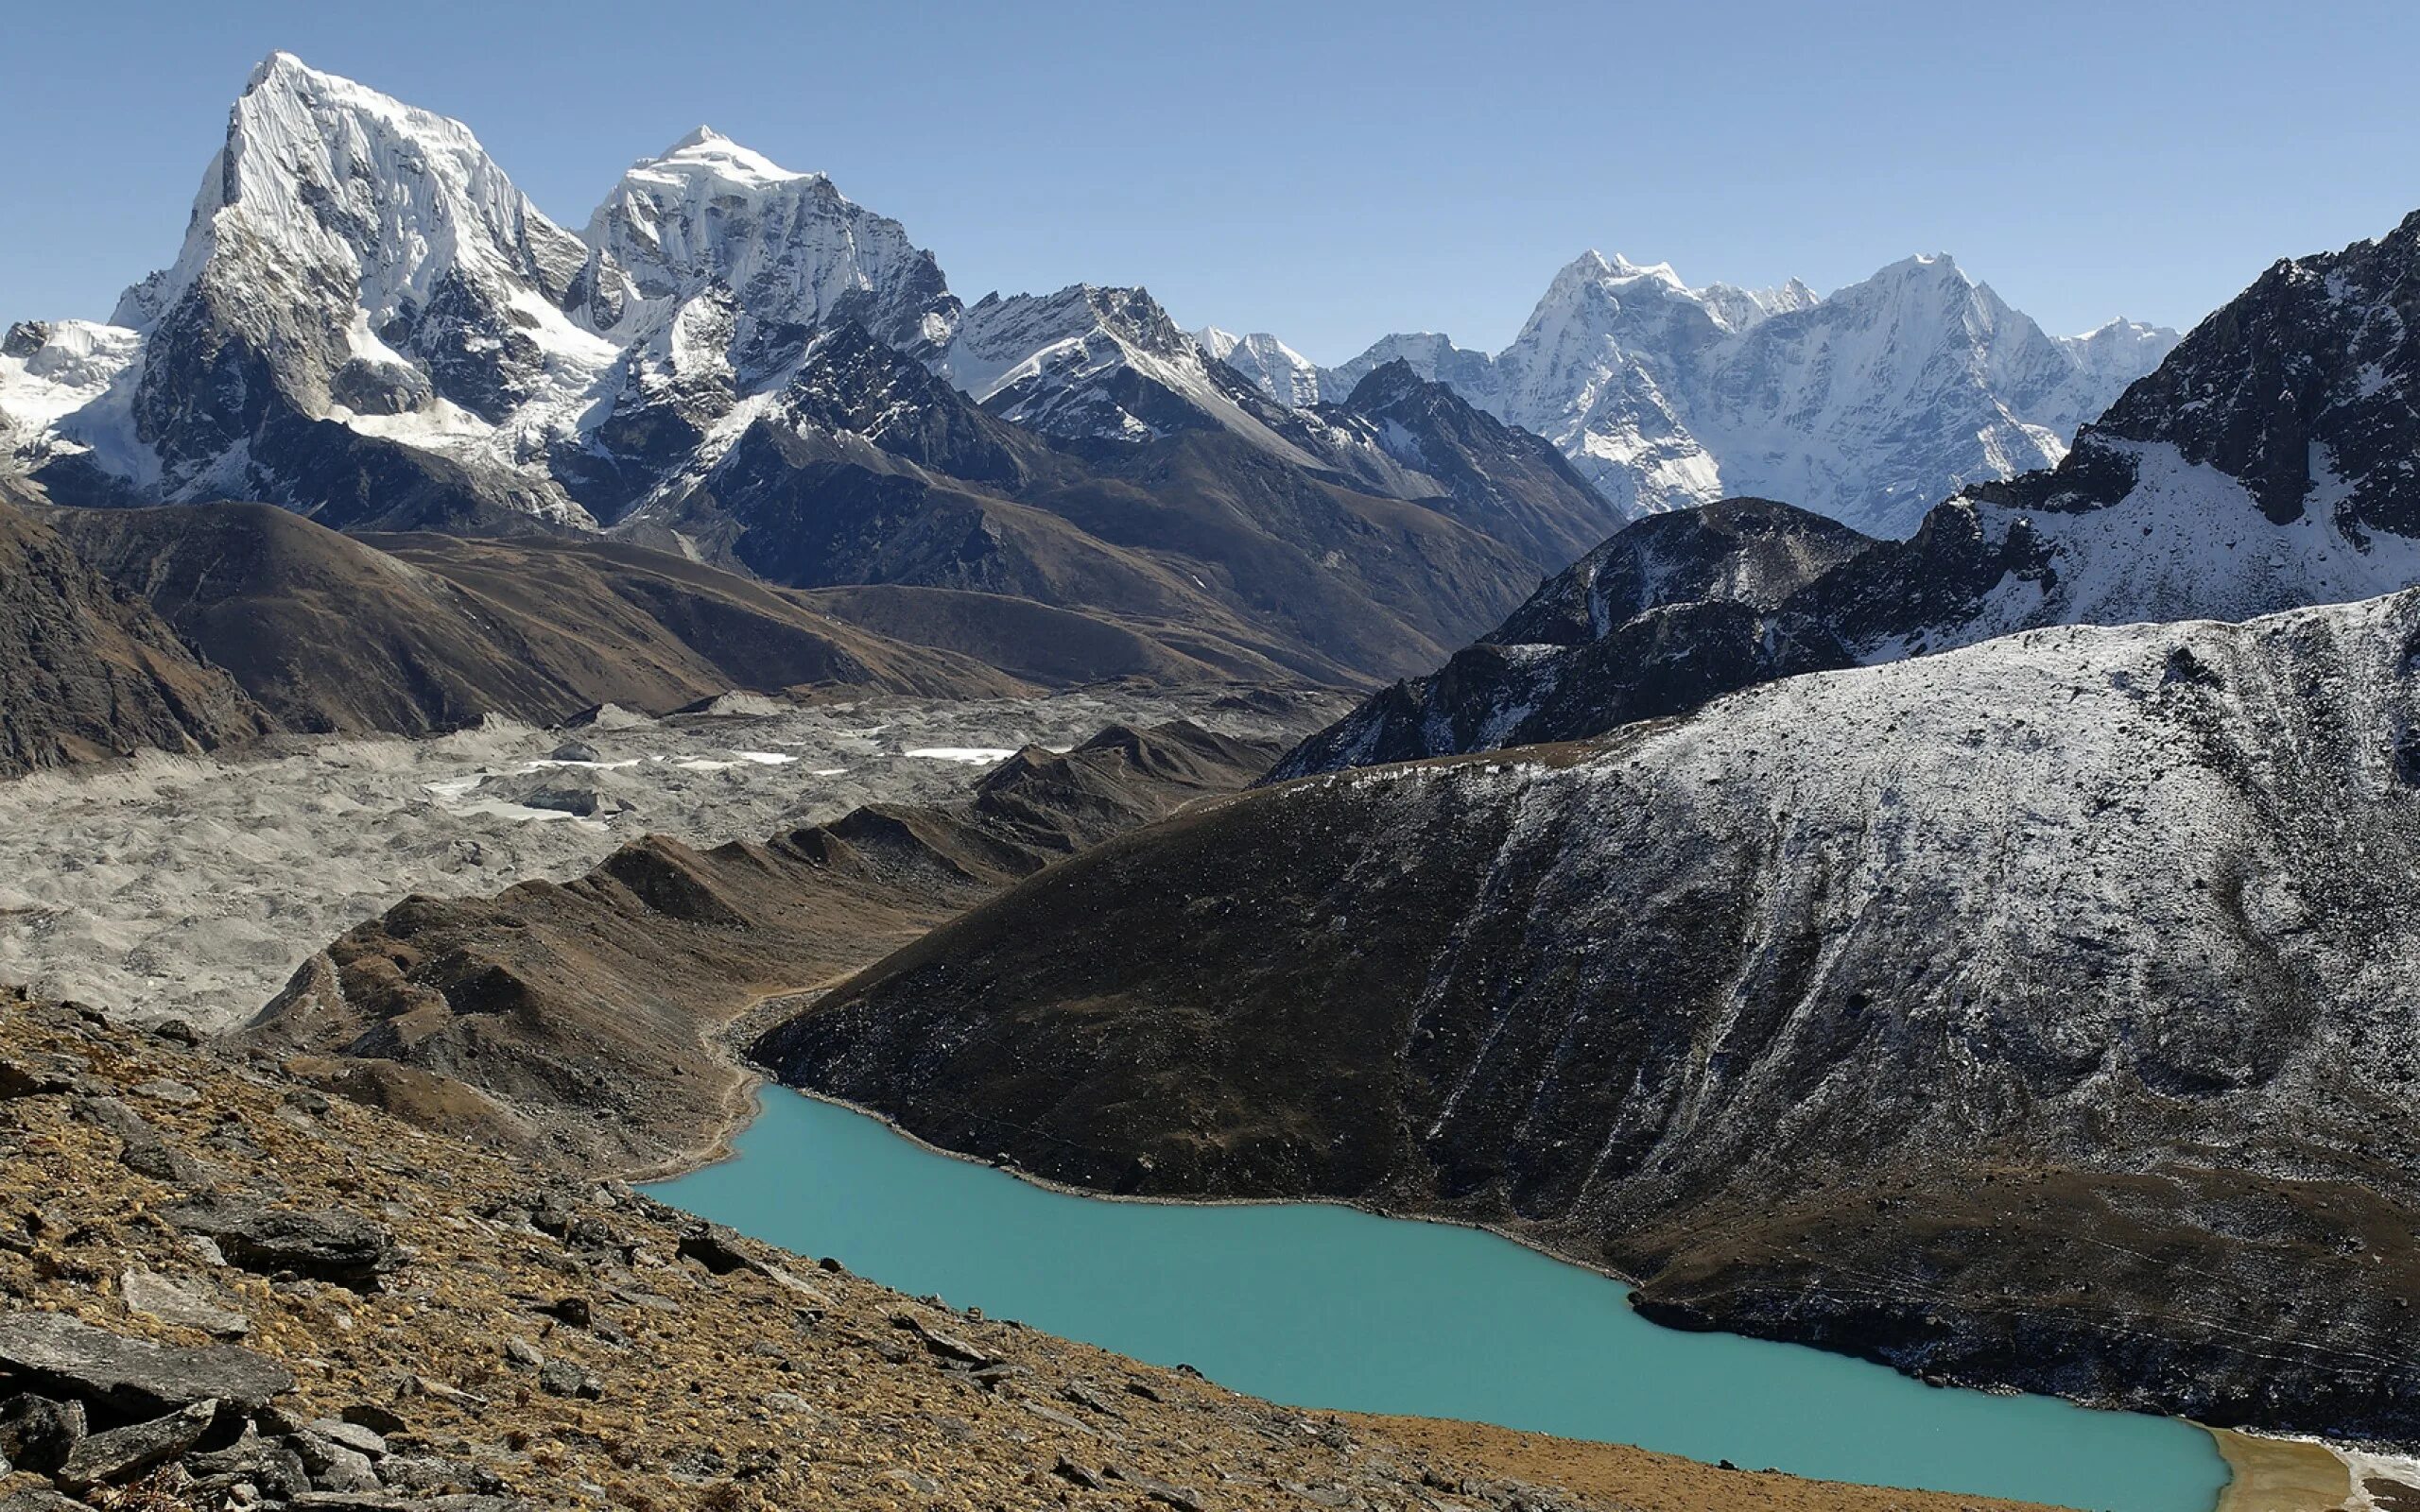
x: 1330, y: 171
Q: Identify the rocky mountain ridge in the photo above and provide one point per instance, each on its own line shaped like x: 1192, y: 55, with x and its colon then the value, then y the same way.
x: 88, y: 670
x: 2265, y: 464
x: 2022, y: 1015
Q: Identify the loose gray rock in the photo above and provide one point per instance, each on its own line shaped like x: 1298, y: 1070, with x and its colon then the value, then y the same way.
x: 271, y: 1468
x: 339, y: 1248
x: 333, y: 1467
x: 351, y: 1435
x: 40, y: 1076
x: 1067, y: 1469
x: 378, y: 1419
x: 39, y: 1499
x: 715, y: 1248
x: 560, y: 1378
x: 121, y: 1453
x: 37, y: 1433
x: 133, y: 1376
x: 180, y: 1094
x: 155, y: 1295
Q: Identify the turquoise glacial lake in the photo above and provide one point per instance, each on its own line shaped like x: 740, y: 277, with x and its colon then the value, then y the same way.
x: 1321, y: 1306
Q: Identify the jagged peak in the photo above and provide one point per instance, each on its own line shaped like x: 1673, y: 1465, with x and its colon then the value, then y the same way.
x: 270, y: 67
x: 1921, y: 267
x: 708, y: 151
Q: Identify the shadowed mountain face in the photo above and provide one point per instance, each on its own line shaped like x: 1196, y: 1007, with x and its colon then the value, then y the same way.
x: 2033, y: 1014
x: 2264, y: 466
x: 88, y: 670
x: 416, y: 634
x: 577, y: 1015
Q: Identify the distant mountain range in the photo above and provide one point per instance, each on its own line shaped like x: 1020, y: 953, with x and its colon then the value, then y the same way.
x: 1868, y: 405
x: 371, y: 325
x: 2267, y: 464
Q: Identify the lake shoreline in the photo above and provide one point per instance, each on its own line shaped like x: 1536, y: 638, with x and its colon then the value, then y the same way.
x: 889, y: 1130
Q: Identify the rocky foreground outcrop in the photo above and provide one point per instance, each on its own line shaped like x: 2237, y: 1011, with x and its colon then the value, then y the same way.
x: 220, y: 1289
x: 2037, y: 1014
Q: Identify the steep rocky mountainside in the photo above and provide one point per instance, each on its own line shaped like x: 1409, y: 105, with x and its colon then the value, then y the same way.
x: 1672, y: 612
x: 576, y: 1022
x: 370, y: 325
x: 219, y: 1287
x: 2033, y: 1014
x: 1248, y: 553
x: 2266, y: 465
x: 1867, y: 405
x: 88, y: 670
x: 1499, y: 480
x: 418, y: 634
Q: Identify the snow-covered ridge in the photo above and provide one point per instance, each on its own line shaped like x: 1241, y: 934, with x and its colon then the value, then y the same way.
x: 369, y: 263
x: 788, y: 248
x: 1273, y: 368
x: 1870, y: 405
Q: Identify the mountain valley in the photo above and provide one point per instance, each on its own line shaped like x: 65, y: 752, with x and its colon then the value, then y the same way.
x: 1864, y: 823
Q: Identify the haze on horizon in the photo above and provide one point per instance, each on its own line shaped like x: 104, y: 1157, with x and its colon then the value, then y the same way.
x: 1334, y: 174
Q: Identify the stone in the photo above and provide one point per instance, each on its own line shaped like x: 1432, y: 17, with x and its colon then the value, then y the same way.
x: 339, y: 1248
x: 1067, y: 1469
x: 40, y: 1076
x: 352, y: 1435
x: 155, y: 1295
x: 796, y: 1285
x: 39, y: 1499
x: 180, y: 1094
x: 333, y: 1467
x: 133, y: 1376
x: 947, y: 1346
x: 560, y: 1378
x: 269, y: 1467
x: 37, y: 1433
x: 525, y: 1354
x: 120, y: 1454
x: 377, y: 1420
x: 715, y: 1248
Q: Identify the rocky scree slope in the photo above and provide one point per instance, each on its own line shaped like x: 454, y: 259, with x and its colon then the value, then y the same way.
x: 87, y: 670
x: 2031, y: 1015
x: 2267, y: 464
x: 577, y: 1022
x: 220, y: 1288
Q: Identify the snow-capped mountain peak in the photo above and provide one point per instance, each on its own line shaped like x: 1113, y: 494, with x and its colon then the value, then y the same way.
x: 787, y: 246
x: 1870, y: 405
x: 1273, y: 368
x: 320, y: 171
x: 1090, y: 363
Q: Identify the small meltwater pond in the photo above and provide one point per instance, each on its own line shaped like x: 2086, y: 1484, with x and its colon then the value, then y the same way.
x: 1323, y: 1306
